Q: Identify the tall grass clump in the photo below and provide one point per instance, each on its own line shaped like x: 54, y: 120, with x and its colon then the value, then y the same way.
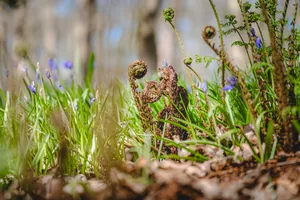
x: 48, y: 125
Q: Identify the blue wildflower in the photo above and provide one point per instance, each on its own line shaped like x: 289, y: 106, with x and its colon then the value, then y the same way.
x: 228, y: 87
x: 52, y: 64
x: 48, y: 74
x: 203, y: 86
x: 232, y: 82
x: 258, y: 43
x: 189, y: 89
x: 290, y: 24
x: 37, y: 75
x: 92, y: 99
x: 32, y: 87
x: 252, y: 32
x: 68, y: 65
x: 60, y: 86
x: 165, y: 63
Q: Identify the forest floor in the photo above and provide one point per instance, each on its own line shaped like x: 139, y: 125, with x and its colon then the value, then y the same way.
x: 214, y: 179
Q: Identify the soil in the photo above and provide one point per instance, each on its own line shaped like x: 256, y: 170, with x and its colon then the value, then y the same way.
x: 215, y: 179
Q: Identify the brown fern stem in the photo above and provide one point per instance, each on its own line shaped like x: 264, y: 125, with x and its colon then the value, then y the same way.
x: 245, y: 17
x: 282, y: 22
x: 245, y: 92
x: 280, y: 83
x: 291, y: 59
x: 291, y: 63
x: 222, y: 44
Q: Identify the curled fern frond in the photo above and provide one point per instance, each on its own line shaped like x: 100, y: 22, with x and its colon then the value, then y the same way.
x: 151, y: 92
x: 209, y: 32
x: 137, y: 69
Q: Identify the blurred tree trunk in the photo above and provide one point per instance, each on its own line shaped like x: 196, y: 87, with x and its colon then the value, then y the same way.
x: 49, y: 28
x: 147, y: 51
x: 3, y: 46
x: 84, y: 28
x: 20, y: 47
x: 165, y: 44
x: 100, y: 25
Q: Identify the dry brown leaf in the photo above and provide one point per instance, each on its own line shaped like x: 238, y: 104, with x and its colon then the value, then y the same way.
x: 211, y: 189
x: 195, y: 171
x: 291, y: 187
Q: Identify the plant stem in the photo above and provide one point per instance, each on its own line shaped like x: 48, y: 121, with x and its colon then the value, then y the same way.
x: 246, y: 48
x: 183, y: 54
x: 286, y: 5
x: 263, y: 41
x: 178, y: 38
x: 244, y: 14
x: 222, y: 44
x: 285, y: 138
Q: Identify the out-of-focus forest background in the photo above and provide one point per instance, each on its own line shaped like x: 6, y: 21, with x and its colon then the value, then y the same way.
x: 117, y: 31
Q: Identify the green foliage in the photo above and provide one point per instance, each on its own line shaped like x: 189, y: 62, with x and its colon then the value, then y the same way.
x: 64, y: 129
x: 90, y: 70
x: 239, y: 43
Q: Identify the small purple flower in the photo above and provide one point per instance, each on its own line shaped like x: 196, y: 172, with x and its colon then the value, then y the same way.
x: 252, y: 32
x: 232, y: 82
x: 92, y: 99
x: 68, y: 65
x: 165, y: 63
x: 289, y: 24
x: 258, y: 43
x: 189, y: 89
x: 228, y: 87
x: 52, y: 64
x: 203, y: 86
x: 37, y: 74
x: 60, y: 86
x: 48, y: 74
x: 32, y: 87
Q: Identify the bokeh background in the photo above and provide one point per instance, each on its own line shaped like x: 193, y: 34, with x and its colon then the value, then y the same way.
x: 117, y: 31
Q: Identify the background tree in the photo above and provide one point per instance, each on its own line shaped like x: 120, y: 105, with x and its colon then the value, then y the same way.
x: 49, y: 28
x: 19, y: 44
x: 3, y: 47
x: 146, y: 32
x: 84, y: 27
